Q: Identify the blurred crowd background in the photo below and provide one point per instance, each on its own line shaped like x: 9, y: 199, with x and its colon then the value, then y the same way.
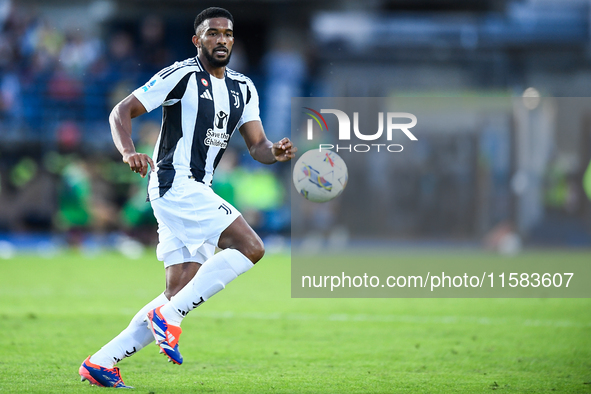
x: 65, y: 63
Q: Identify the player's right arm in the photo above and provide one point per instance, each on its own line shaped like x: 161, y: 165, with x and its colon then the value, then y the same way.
x: 160, y: 90
x: 120, y: 121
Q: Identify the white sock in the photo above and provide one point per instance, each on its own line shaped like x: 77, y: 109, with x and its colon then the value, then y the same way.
x: 213, y: 276
x: 132, y: 339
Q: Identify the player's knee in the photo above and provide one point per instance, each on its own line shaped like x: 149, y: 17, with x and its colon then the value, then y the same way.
x: 259, y: 252
x: 255, y: 250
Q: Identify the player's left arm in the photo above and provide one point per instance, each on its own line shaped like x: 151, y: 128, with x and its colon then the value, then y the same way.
x: 263, y: 150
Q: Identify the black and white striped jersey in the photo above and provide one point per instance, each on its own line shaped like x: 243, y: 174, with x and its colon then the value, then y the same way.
x: 200, y: 113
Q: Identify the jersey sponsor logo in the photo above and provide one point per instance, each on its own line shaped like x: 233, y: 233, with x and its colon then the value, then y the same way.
x: 147, y: 86
x: 220, y: 120
x: 236, y: 98
x: 206, y: 95
x: 204, y: 82
x: 216, y: 138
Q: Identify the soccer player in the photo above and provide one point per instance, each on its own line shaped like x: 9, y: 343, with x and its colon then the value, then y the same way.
x: 203, y: 103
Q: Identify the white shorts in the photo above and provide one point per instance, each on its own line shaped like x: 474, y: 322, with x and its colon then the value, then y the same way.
x: 191, y: 218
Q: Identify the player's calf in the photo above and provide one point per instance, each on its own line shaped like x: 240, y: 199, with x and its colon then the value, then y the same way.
x: 212, y: 277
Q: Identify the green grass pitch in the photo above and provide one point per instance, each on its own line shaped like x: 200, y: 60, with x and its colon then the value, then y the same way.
x: 254, y: 338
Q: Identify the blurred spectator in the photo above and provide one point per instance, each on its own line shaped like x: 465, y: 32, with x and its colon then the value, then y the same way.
x: 10, y: 101
x: 286, y: 71
x: 239, y: 61
x: 136, y: 214
x: 587, y: 181
x: 64, y: 95
x: 225, y: 183
x: 78, y: 53
x: 153, y: 52
x: 85, y: 199
x: 27, y: 197
x: 5, y: 6
x: 122, y: 60
x: 118, y: 72
x: 43, y: 39
x: 74, y: 196
x: 64, y: 87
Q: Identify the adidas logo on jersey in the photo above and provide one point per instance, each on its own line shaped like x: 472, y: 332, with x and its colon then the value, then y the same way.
x: 206, y: 95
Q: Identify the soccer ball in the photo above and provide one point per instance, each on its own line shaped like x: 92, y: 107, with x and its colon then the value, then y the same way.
x: 320, y: 176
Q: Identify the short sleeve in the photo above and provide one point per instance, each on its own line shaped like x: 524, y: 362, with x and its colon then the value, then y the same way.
x: 154, y: 93
x: 251, y: 108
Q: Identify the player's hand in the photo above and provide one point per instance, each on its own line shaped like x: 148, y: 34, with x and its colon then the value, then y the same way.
x: 139, y: 162
x: 284, y: 150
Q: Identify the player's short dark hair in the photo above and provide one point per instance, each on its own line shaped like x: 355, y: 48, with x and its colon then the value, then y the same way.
x: 212, y: 12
